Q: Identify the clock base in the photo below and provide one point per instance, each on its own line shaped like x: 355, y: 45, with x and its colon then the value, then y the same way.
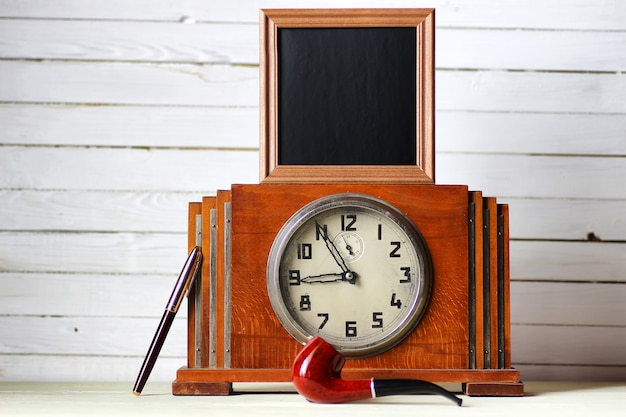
x: 234, y: 336
x: 475, y: 382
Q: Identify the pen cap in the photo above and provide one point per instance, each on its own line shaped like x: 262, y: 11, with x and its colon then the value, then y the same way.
x: 187, y: 274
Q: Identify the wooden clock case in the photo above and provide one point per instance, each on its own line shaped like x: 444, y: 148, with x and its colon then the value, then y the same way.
x: 234, y: 335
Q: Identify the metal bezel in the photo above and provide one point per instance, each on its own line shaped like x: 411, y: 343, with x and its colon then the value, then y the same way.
x: 327, y: 203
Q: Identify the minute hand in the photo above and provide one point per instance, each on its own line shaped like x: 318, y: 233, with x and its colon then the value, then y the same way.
x: 324, y: 278
x: 332, y: 248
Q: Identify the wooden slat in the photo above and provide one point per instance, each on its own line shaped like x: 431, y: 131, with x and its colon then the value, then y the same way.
x: 476, y: 283
x: 572, y: 50
x: 107, y: 336
x: 87, y: 295
x: 93, y: 253
x: 530, y: 91
x: 535, y: 176
x: 211, y: 85
x: 550, y: 372
x: 227, y: 127
x: 207, y: 315
x: 94, y: 211
x: 195, y: 299
x: 41, y: 294
x: 490, y: 280
x: 201, y: 171
x: 531, y: 133
x: 157, y: 212
x: 564, y: 346
x: 138, y: 253
x: 570, y: 219
x: 128, y: 83
x: 566, y: 303
x: 238, y: 43
x: 78, y: 368
x: 553, y: 14
x: 568, y: 261
x: 569, y: 345
x: 137, y: 169
x: 108, y: 40
x: 130, y: 126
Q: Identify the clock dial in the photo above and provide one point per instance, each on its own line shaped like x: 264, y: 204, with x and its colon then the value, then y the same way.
x: 351, y: 269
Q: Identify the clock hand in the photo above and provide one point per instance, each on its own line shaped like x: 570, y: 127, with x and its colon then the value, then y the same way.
x: 348, y: 247
x: 335, y: 277
x: 332, y: 249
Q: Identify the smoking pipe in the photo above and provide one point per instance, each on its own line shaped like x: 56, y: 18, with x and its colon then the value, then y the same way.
x: 317, y: 376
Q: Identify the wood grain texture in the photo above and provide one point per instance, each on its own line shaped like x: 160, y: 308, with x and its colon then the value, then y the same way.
x: 89, y: 336
x: 441, y: 339
x: 225, y: 85
x: 129, y: 126
x: 608, y: 15
x: 94, y: 211
x: 237, y: 43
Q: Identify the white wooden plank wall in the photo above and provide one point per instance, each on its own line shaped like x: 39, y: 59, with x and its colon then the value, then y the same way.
x: 115, y: 114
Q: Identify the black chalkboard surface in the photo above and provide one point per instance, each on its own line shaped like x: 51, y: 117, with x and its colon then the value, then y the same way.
x: 347, y: 96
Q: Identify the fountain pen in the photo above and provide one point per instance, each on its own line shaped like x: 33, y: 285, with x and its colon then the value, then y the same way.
x: 183, y: 283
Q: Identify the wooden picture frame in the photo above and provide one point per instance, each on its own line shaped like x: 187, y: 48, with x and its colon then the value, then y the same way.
x: 377, y: 129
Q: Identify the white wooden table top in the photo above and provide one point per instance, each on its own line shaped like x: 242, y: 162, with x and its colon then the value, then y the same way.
x: 115, y: 399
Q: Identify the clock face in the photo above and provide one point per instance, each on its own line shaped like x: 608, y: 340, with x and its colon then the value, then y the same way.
x: 351, y: 269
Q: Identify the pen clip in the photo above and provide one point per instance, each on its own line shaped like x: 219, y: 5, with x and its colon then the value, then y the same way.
x: 186, y: 277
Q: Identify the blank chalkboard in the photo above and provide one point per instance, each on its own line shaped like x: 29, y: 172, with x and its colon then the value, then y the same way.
x: 347, y: 96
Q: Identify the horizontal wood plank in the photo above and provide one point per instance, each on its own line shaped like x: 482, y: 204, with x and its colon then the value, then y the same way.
x: 93, y: 253
x: 125, y: 369
x: 535, y: 176
x: 568, y: 219
x: 129, y: 83
x: 107, y: 40
x: 228, y: 127
x: 530, y: 91
x: 568, y: 261
x: 567, y: 303
x: 158, y: 212
x: 130, y: 126
x: 94, y: 211
x: 91, y: 295
x: 549, y: 372
x: 82, y: 368
x: 94, y: 336
x: 572, y: 50
x: 162, y: 170
x: 87, y: 295
x: 564, y: 346
x: 552, y: 14
x: 223, y: 85
x: 181, y: 170
x: 531, y: 133
x: 158, y: 254
x: 568, y: 345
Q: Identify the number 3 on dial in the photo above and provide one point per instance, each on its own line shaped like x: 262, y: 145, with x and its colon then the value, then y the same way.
x: 352, y: 269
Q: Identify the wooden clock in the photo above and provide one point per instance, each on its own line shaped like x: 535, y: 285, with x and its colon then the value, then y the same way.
x: 406, y: 278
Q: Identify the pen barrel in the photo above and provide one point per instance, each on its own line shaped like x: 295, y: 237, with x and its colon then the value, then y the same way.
x: 185, y: 278
x: 153, y: 351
